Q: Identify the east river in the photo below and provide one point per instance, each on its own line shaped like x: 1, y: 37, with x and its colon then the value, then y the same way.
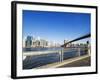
x: 40, y: 60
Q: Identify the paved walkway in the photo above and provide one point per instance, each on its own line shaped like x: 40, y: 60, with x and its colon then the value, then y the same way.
x: 74, y: 62
x: 83, y: 62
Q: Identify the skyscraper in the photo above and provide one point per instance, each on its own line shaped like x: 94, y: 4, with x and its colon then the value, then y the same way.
x: 28, y: 42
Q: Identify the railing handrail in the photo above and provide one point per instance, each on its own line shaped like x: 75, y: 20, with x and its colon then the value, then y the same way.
x: 33, y: 53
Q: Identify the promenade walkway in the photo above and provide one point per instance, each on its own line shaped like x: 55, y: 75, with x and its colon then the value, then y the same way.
x: 83, y: 62
x: 74, y: 62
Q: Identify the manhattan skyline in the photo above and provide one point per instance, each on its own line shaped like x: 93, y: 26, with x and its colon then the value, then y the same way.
x: 55, y: 26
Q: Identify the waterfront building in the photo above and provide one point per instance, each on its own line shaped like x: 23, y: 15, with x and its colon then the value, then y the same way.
x: 28, y: 42
x: 33, y: 42
x: 37, y: 43
x: 43, y: 43
x: 50, y: 44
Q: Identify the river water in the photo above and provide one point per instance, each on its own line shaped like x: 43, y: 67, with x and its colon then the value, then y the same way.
x: 40, y: 60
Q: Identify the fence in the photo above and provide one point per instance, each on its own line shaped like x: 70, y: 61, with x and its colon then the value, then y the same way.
x: 60, y: 52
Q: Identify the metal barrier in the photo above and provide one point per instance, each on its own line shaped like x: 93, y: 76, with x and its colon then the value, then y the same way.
x: 60, y: 52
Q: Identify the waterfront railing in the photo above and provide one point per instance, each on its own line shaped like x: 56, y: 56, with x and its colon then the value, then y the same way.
x: 60, y: 52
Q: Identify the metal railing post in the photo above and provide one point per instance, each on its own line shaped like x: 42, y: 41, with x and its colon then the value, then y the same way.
x: 79, y: 52
x: 61, y: 55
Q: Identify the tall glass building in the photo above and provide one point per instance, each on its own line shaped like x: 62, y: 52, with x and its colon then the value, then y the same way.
x: 28, y: 42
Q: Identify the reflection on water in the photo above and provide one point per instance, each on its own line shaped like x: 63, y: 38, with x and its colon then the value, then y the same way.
x: 40, y: 60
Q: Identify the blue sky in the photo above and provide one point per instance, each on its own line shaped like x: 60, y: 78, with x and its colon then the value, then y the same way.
x: 55, y: 26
